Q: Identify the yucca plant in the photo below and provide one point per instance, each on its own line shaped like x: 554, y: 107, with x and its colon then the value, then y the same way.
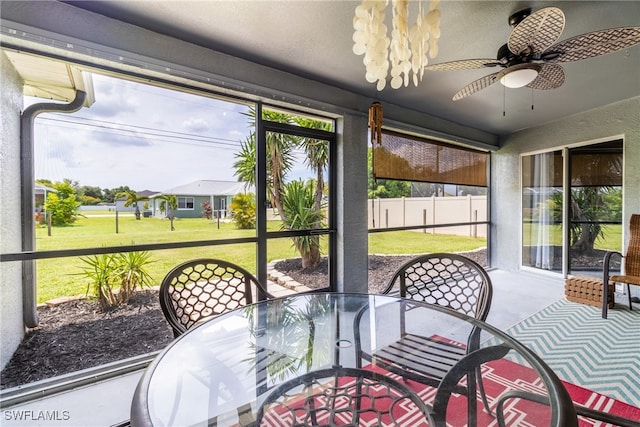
x: 298, y: 203
x: 115, y: 277
x: 101, y: 270
x: 133, y: 273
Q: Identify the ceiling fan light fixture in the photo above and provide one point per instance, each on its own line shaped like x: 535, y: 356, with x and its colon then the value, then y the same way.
x: 518, y: 75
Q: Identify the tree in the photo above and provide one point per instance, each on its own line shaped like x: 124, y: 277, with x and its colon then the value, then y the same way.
x: 317, y: 152
x: 62, y: 205
x: 280, y: 156
x: 132, y: 198
x: 89, y: 194
x: 109, y: 195
x: 169, y: 204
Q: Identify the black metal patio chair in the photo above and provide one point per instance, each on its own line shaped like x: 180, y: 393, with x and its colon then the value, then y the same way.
x: 447, y: 280
x: 206, y: 287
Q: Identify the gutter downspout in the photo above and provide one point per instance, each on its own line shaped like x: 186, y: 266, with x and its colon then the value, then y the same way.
x: 27, y: 119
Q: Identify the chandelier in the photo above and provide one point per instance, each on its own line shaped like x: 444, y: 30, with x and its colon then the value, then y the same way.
x: 404, y: 52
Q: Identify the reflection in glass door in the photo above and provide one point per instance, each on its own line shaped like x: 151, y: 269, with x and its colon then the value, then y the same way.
x: 542, y: 195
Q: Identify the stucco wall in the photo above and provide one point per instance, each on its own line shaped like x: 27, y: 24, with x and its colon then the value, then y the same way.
x: 612, y: 121
x: 11, y: 325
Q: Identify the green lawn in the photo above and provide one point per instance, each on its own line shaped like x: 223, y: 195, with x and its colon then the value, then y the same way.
x: 610, y: 239
x: 63, y: 276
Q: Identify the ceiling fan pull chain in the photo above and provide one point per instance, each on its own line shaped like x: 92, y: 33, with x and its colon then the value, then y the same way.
x: 531, y: 99
x: 504, y: 101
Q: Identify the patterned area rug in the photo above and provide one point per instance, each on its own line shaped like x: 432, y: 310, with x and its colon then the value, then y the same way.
x: 498, y: 377
x: 582, y: 348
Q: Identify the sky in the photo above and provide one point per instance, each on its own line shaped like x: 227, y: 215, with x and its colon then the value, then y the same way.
x: 141, y: 136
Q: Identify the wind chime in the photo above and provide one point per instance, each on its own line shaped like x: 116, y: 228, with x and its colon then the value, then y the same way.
x: 375, y: 127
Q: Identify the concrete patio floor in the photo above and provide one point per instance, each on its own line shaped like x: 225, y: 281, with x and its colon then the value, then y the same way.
x: 517, y: 295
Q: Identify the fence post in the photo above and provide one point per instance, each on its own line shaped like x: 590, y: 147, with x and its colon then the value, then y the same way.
x: 404, y: 211
x: 116, y: 221
x: 475, y: 226
x: 424, y: 220
x: 386, y: 218
x: 470, y: 213
x: 49, y: 220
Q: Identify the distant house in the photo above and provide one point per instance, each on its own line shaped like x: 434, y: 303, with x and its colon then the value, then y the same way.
x: 122, y: 200
x: 190, y: 197
x: 40, y: 192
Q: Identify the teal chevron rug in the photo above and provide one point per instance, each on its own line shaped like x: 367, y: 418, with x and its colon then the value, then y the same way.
x: 582, y: 348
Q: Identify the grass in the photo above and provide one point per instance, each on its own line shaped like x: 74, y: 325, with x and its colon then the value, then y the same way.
x: 610, y: 240
x: 63, y: 276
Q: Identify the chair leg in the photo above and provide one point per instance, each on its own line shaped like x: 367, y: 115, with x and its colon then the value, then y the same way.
x: 472, y: 400
x: 483, y: 395
x: 629, y: 296
x: 605, y: 296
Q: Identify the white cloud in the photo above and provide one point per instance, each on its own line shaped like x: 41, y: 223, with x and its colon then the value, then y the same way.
x: 140, y: 136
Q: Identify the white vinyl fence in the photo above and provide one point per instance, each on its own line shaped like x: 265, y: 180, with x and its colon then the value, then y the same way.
x: 409, y: 211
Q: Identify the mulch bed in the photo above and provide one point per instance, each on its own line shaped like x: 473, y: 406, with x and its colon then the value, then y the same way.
x: 77, y: 335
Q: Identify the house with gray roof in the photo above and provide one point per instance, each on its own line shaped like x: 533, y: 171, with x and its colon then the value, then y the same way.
x: 191, y: 196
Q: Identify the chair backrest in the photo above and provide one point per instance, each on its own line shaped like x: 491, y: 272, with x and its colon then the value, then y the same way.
x: 447, y: 280
x: 206, y: 287
x: 343, y: 396
x: 632, y: 257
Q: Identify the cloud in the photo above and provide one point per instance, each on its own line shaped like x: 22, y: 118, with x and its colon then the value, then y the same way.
x: 141, y: 136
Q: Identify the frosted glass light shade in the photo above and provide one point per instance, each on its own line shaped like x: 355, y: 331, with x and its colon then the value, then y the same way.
x: 519, y: 75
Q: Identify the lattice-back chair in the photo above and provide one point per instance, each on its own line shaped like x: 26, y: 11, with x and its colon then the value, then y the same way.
x: 631, y: 260
x: 447, y: 280
x: 343, y: 396
x: 206, y: 287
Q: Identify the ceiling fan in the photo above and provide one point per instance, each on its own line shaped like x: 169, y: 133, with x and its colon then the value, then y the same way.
x: 529, y: 58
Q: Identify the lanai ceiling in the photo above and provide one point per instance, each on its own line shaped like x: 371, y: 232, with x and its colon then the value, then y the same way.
x: 314, y: 39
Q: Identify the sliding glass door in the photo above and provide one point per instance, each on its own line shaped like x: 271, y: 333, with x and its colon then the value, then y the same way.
x: 542, y: 196
x: 569, y: 235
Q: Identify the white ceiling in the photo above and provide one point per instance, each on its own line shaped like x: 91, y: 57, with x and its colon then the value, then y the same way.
x: 314, y: 39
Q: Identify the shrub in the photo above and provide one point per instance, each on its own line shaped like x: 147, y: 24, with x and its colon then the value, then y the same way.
x: 244, y: 210
x: 115, y: 277
x: 207, y: 210
x: 63, y: 210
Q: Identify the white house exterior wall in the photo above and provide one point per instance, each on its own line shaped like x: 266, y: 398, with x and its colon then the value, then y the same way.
x: 11, y: 323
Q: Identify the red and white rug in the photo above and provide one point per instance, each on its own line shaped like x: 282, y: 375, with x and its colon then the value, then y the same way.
x: 499, y: 376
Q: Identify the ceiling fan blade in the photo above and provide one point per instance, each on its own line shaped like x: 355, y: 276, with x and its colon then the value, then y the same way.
x: 594, y: 44
x: 464, y: 64
x: 551, y: 76
x: 537, y: 31
x: 475, y: 86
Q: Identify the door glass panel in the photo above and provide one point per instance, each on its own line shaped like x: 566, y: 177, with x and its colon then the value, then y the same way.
x: 596, y: 205
x: 297, y: 170
x: 542, y: 197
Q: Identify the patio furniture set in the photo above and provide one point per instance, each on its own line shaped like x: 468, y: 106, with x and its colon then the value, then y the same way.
x: 418, y: 354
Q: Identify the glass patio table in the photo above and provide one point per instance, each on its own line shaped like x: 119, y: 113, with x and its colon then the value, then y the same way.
x: 284, y: 350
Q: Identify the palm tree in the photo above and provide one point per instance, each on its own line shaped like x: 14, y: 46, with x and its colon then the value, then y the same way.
x: 317, y: 152
x: 279, y: 157
x: 297, y: 210
x: 170, y: 204
x: 132, y: 198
